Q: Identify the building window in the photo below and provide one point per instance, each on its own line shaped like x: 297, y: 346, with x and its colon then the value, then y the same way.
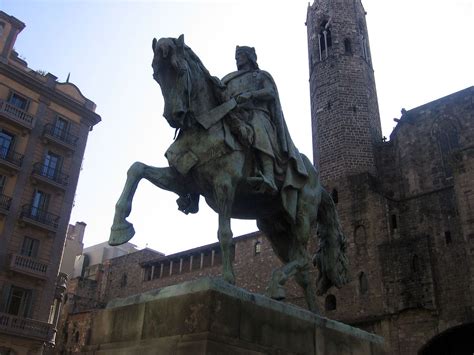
x: 40, y: 203
x: 3, y: 182
x: 363, y: 283
x: 393, y: 222
x: 335, y: 196
x: 324, y: 39
x: 18, y: 101
x: 123, y: 281
x: 61, y: 127
x: 257, y: 247
x: 347, y: 46
x: 147, y: 273
x: 2, y: 28
x: 415, y: 264
x: 7, y: 141
x: 51, y: 165
x: 19, y: 301
x: 30, y: 247
x: 330, y: 303
x: 447, y: 237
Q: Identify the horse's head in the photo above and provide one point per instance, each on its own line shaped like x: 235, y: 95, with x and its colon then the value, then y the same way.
x: 171, y: 71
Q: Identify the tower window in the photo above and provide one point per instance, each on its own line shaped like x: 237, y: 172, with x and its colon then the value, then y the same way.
x: 324, y: 39
x: 447, y: 237
x: 335, y: 196
x: 363, y: 283
x: 258, y: 247
x: 330, y: 303
x: 347, y: 46
x: 393, y: 221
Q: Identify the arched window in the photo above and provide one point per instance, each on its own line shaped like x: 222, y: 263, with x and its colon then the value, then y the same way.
x: 324, y: 39
x: 330, y: 303
x: 347, y: 46
x: 363, y: 283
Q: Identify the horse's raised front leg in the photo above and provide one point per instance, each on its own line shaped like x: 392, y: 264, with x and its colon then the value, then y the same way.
x: 166, y: 178
x: 224, y: 197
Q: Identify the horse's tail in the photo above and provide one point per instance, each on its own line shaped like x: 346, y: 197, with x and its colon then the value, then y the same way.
x: 330, y: 258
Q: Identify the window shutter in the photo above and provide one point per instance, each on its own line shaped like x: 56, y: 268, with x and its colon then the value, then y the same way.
x: 27, y: 304
x: 5, y: 297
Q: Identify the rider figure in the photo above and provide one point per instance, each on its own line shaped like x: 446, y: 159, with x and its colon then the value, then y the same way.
x: 257, y: 106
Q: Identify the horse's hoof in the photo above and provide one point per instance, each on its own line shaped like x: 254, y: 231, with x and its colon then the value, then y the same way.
x: 121, y: 233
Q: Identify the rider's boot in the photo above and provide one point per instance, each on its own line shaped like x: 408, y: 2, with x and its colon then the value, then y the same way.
x: 265, y: 182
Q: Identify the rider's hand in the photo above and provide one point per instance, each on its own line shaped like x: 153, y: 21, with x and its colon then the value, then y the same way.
x: 242, y: 98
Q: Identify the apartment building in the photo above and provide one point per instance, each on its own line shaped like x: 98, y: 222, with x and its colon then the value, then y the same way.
x: 44, y: 125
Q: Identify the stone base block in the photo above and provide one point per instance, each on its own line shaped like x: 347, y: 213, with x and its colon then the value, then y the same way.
x: 209, y: 316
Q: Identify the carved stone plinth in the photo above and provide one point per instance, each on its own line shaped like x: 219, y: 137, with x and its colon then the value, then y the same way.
x: 209, y: 316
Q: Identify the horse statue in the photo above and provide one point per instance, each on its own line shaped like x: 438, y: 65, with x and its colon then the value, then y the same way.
x: 209, y: 159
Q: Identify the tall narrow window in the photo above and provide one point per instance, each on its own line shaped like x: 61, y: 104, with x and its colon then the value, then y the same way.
x: 51, y: 165
x: 335, y: 196
x: 40, y: 203
x: 257, y: 247
x: 393, y: 221
x: 347, y: 46
x: 3, y: 181
x: 324, y: 39
x: 6, y: 143
x: 30, y: 247
x: 60, y: 128
x: 363, y: 283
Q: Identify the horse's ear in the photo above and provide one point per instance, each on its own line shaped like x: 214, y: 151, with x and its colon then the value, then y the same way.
x: 153, y: 44
x: 180, y: 41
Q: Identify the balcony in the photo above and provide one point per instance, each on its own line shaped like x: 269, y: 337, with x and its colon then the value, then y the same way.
x: 29, y: 328
x: 5, y: 203
x: 16, y: 115
x: 28, y: 265
x: 50, y: 175
x: 39, y: 218
x: 60, y: 137
x: 10, y: 159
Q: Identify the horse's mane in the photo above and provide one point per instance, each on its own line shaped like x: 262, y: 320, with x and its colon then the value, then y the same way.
x: 216, y: 84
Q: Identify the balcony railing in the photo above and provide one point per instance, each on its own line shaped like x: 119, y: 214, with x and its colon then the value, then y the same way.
x: 50, y: 173
x: 5, y: 202
x: 25, y: 327
x: 28, y: 265
x: 11, y: 156
x: 16, y: 114
x: 32, y: 213
x: 61, y: 135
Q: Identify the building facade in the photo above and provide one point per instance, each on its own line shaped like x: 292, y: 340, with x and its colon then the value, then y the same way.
x: 44, y: 127
x: 405, y: 204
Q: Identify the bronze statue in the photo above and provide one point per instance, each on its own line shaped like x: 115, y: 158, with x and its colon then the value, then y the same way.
x: 234, y: 149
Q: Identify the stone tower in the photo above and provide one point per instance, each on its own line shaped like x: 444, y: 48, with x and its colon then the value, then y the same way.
x: 344, y: 108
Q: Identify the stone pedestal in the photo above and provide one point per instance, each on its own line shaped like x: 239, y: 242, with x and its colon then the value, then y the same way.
x: 209, y: 316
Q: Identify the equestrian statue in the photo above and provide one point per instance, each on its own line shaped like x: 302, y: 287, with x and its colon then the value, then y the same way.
x: 233, y: 148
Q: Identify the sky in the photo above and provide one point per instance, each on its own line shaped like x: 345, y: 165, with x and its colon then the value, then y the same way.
x: 421, y: 50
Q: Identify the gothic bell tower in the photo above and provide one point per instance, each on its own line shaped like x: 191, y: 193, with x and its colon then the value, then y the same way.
x: 344, y: 109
